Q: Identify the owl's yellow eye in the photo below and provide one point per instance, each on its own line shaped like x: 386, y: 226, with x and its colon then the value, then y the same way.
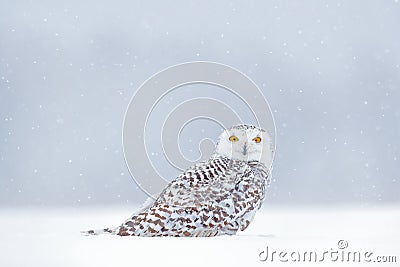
x: 233, y: 138
x: 257, y: 139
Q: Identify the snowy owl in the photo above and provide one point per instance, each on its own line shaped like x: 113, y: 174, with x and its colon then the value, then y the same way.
x: 215, y: 197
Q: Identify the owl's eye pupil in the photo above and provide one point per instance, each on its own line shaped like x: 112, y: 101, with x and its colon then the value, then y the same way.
x: 257, y: 139
x: 233, y: 138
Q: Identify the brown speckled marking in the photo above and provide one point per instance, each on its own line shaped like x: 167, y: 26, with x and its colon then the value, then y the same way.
x: 216, y: 197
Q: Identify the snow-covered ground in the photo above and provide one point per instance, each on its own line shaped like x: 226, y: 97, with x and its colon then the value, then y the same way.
x: 50, y: 237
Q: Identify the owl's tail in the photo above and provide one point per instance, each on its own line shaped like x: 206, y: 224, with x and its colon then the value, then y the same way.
x: 115, y: 230
x: 109, y: 230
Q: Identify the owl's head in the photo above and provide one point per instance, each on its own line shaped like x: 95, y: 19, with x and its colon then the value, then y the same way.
x: 247, y: 143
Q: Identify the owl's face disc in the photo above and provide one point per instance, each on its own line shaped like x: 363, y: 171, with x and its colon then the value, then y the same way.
x: 246, y: 143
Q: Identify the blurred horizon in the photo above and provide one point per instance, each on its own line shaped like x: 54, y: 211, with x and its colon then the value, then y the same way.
x: 330, y: 71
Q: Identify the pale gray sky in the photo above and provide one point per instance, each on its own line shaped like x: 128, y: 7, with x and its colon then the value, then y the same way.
x: 329, y: 69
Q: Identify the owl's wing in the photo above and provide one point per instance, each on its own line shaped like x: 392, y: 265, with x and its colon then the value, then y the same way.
x: 204, y: 183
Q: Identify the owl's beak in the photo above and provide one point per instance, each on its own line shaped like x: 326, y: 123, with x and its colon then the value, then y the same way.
x: 245, y: 149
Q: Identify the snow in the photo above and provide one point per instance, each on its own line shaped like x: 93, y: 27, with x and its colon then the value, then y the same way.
x: 50, y: 237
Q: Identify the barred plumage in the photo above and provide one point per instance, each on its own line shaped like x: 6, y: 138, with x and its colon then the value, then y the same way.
x: 214, y: 197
